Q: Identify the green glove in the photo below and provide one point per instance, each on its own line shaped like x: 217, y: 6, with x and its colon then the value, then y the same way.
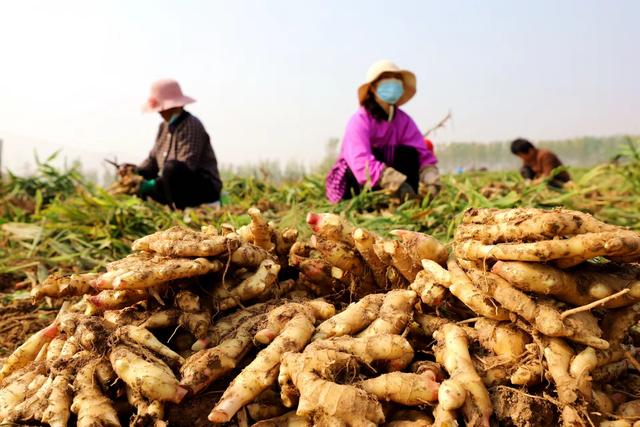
x: 147, y: 186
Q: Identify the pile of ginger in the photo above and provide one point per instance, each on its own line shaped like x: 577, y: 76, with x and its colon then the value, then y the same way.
x: 527, y: 319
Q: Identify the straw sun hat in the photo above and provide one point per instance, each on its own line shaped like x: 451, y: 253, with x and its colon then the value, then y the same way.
x: 408, y: 79
x: 166, y: 94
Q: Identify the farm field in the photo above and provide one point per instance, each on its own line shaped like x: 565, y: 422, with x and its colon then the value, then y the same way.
x: 56, y: 222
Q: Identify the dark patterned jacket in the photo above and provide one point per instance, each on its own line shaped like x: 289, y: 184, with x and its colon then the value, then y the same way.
x: 184, y: 140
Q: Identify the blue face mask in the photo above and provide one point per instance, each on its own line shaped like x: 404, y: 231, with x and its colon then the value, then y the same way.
x: 390, y: 90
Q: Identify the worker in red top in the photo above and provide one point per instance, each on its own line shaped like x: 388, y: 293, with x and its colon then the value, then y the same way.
x: 538, y: 164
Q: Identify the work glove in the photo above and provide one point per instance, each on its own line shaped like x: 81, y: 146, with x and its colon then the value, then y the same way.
x: 395, y: 183
x: 429, y: 181
x: 147, y: 186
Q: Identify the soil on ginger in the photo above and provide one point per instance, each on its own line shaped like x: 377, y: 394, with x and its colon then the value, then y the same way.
x: 512, y: 408
x: 192, y: 411
x: 18, y: 321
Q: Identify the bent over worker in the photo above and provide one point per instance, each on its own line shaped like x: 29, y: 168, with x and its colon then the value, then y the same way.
x: 538, y: 163
x: 181, y: 169
x: 382, y: 145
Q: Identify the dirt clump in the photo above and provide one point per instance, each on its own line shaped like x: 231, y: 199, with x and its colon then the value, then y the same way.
x: 513, y: 408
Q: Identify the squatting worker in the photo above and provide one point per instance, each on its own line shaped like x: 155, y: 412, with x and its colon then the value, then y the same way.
x: 538, y: 164
x: 382, y: 146
x: 181, y: 169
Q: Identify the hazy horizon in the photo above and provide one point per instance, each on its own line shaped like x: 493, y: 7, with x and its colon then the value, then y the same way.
x: 276, y: 80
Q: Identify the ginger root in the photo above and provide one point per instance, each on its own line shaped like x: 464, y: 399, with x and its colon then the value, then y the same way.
x: 320, y: 397
x: 28, y: 351
x: 352, y: 319
x: 395, y: 350
x: 91, y: 406
x: 183, y: 242
x: 364, y: 242
x: 395, y: 312
x: 621, y: 243
x: 422, y: 246
x: 149, y: 376
x: 453, y: 353
x: 264, y: 278
x: 331, y: 227
x: 404, y: 388
x: 263, y: 370
x: 575, y: 287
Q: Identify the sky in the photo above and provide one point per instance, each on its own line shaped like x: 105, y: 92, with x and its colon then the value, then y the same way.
x: 275, y: 80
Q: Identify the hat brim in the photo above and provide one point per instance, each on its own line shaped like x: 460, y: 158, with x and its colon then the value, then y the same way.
x: 408, y: 80
x: 167, y: 104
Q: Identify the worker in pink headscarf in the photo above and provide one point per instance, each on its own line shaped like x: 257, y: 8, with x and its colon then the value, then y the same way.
x: 382, y: 146
x: 181, y: 169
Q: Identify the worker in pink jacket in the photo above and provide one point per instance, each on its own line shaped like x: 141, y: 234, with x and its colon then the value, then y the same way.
x: 382, y: 146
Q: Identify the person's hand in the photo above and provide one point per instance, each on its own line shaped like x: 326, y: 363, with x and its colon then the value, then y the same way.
x: 392, y: 180
x: 429, y: 181
x: 126, y: 169
x: 395, y: 184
